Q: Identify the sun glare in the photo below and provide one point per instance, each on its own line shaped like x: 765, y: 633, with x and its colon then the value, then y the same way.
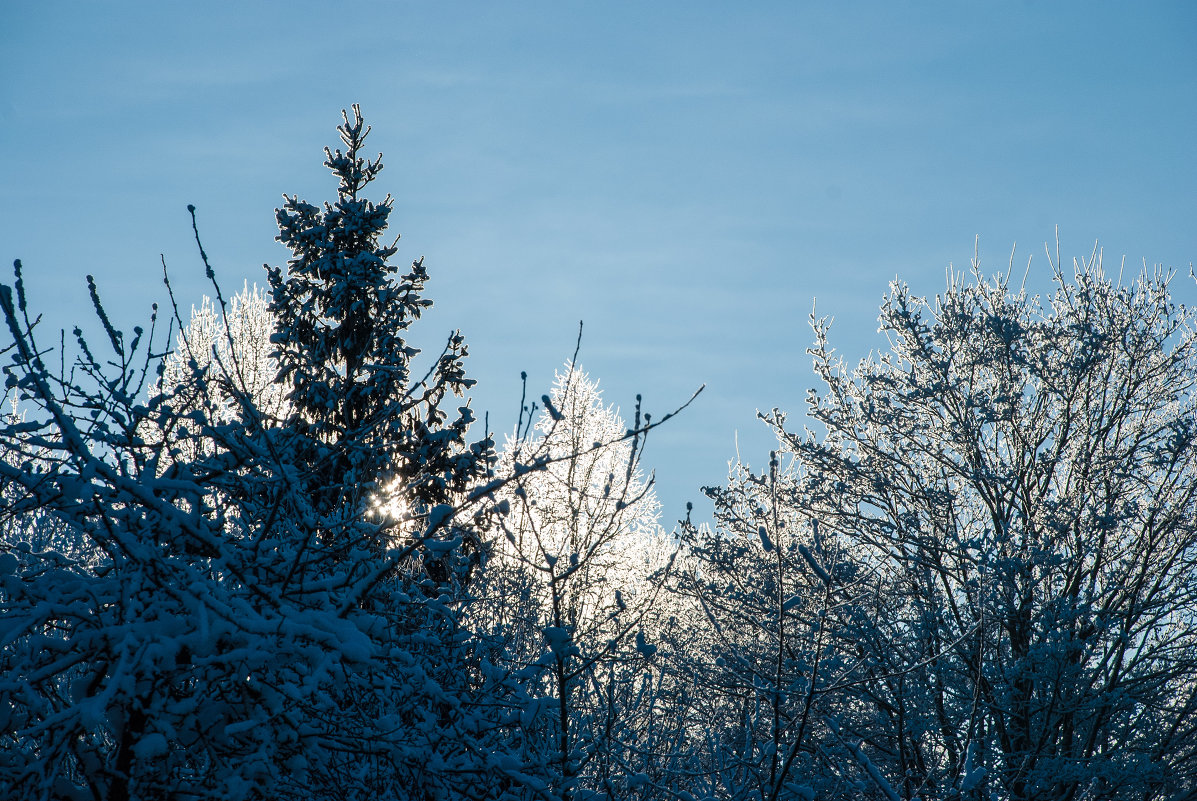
x: 388, y: 504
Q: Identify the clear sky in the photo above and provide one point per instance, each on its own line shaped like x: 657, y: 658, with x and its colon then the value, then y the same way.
x: 685, y: 177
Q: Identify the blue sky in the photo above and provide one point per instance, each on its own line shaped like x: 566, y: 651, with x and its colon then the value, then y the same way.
x: 684, y: 177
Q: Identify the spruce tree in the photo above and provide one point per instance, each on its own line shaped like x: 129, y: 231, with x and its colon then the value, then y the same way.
x: 375, y: 437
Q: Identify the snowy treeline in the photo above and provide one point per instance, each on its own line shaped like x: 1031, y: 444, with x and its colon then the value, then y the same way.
x: 256, y: 553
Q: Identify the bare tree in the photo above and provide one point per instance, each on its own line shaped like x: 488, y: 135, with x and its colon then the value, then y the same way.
x: 1021, y: 475
x: 776, y: 609
x: 583, y: 551
x: 227, y: 344
x: 241, y: 623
